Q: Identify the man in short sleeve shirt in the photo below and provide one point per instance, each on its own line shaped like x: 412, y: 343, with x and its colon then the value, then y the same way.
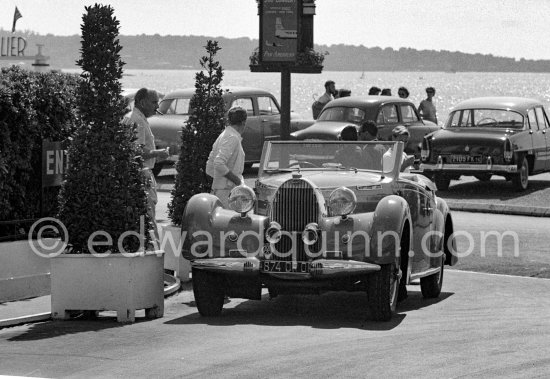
x: 226, y: 160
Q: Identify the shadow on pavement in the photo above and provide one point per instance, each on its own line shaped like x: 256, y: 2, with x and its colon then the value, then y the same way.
x: 329, y: 311
x: 496, y: 189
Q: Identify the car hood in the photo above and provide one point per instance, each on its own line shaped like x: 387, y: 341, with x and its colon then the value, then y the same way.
x: 329, y: 179
x: 326, y: 130
x: 470, y: 136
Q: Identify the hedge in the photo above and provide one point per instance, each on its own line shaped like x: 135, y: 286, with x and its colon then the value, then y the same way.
x: 33, y: 106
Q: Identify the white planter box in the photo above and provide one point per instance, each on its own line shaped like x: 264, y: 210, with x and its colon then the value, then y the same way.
x: 115, y: 283
x: 171, y: 244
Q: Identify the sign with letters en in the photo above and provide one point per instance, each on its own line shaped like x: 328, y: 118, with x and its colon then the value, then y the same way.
x: 54, y: 163
x: 279, y: 30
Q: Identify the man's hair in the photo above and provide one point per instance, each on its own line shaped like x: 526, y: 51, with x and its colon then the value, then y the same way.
x: 430, y: 89
x: 403, y: 89
x: 328, y: 83
x: 236, y: 115
x: 400, y: 130
x: 374, y: 90
x: 370, y: 127
x: 141, y: 94
x: 349, y: 133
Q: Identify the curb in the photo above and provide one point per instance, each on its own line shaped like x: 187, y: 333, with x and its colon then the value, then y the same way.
x: 518, y: 210
x: 25, y: 319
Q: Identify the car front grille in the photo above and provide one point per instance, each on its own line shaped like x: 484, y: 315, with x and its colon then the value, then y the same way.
x: 294, y: 206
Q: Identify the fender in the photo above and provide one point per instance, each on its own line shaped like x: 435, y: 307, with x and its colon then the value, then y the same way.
x: 390, y: 216
x: 212, y: 231
x: 449, y: 243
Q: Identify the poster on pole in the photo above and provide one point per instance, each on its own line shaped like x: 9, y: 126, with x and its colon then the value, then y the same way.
x: 279, y: 30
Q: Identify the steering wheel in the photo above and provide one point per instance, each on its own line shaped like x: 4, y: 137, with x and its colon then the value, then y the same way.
x: 490, y: 119
x: 303, y: 164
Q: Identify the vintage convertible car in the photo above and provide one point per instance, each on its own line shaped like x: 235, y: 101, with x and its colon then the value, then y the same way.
x: 387, y: 111
x: 321, y: 218
x: 487, y: 136
x: 264, y: 120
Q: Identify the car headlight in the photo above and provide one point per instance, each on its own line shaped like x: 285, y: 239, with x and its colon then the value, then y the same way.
x: 342, y: 201
x: 242, y: 199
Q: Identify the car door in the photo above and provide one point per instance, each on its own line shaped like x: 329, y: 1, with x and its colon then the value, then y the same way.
x: 252, y: 136
x: 543, y: 128
x: 270, y: 118
x: 386, y: 120
x: 417, y: 130
x: 538, y: 141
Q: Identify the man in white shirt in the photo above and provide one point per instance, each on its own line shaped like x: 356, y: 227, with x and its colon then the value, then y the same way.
x: 145, y: 105
x: 399, y: 133
x: 226, y: 160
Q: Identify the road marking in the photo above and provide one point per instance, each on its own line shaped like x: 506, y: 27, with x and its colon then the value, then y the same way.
x: 505, y: 275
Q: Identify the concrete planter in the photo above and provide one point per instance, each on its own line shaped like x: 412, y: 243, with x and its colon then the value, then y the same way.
x: 24, y: 273
x: 171, y: 244
x: 115, y: 282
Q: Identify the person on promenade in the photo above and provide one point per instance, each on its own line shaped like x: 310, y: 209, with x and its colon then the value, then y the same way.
x: 330, y: 92
x: 403, y: 93
x: 427, y: 108
x: 386, y: 92
x: 146, y: 102
x: 226, y: 160
x: 372, y: 155
x: 343, y: 92
x: 374, y: 91
x: 399, y: 133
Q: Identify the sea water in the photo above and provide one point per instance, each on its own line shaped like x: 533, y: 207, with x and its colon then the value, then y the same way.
x: 451, y: 88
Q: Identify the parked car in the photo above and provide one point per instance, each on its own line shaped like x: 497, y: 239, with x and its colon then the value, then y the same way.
x: 320, y: 223
x: 486, y: 136
x: 263, y: 122
x: 387, y: 111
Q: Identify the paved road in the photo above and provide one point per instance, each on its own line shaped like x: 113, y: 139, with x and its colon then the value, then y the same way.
x: 482, y: 326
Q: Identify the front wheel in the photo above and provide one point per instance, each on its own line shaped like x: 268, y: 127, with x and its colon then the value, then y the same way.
x: 521, y: 179
x: 431, y: 285
x: 382, y: 292
x: 209, y: 293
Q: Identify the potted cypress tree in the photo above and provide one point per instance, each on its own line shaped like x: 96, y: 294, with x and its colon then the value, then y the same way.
x: 103, y: 204
x: 206, y: 122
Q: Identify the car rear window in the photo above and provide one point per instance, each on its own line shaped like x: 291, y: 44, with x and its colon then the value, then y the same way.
x: 485, y: 118
x: 345, y: 114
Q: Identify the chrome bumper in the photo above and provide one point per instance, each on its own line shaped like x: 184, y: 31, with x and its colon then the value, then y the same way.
x: 320, y: 268
x: 468, y: 167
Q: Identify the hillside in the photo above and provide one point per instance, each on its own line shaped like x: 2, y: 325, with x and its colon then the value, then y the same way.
x: 183, y: 52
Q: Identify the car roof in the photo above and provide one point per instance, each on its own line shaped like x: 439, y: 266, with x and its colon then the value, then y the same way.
x: 361, y: 101
x: 520, y: 104
x: 188, y: 92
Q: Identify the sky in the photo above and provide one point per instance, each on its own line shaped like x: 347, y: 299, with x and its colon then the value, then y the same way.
x: 506, y: 28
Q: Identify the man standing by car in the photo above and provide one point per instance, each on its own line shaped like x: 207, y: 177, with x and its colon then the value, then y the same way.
x: 427, y: 107
x: 226, y: 160
x: 146, y: 103
x: 330, y: 92
x: 372, y: 155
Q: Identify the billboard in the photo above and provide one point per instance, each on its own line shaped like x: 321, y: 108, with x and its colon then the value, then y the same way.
x: 279, y: 30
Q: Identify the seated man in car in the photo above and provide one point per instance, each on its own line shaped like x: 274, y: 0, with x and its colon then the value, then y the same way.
x: 349, y: 155
x: 399, y: 133
x: 372, y: 154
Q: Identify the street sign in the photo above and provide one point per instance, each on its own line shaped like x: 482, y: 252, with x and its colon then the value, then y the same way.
x: 279, y: 30
x: 54, y: 163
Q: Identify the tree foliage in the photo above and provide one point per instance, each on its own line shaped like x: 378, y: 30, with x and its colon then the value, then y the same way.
x: 104, y: 188
x: 204, y: 125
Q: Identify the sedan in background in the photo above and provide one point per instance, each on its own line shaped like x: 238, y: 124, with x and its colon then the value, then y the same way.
x: 387, y: 111
x: 486, y: 136
x: 263, y: 122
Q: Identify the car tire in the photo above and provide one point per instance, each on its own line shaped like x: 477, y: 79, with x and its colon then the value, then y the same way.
x: 431, y: 285
x: 383, y: 288
x: 483, y: 177
x: 521, y: 179
x: 441, y: 182
x: 209, y: 293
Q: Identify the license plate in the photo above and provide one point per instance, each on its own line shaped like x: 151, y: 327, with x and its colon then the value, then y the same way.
x: 285, y: 266
x: 465, y: 159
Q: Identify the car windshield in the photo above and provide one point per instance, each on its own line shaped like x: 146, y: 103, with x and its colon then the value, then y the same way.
x: 331, y: 155
x: 485, y: 118
x: 346, y: 114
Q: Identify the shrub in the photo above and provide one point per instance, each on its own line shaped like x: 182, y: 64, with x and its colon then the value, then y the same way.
x: 206, y: 122
x: 103, y: 188
x: 33, y: 106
